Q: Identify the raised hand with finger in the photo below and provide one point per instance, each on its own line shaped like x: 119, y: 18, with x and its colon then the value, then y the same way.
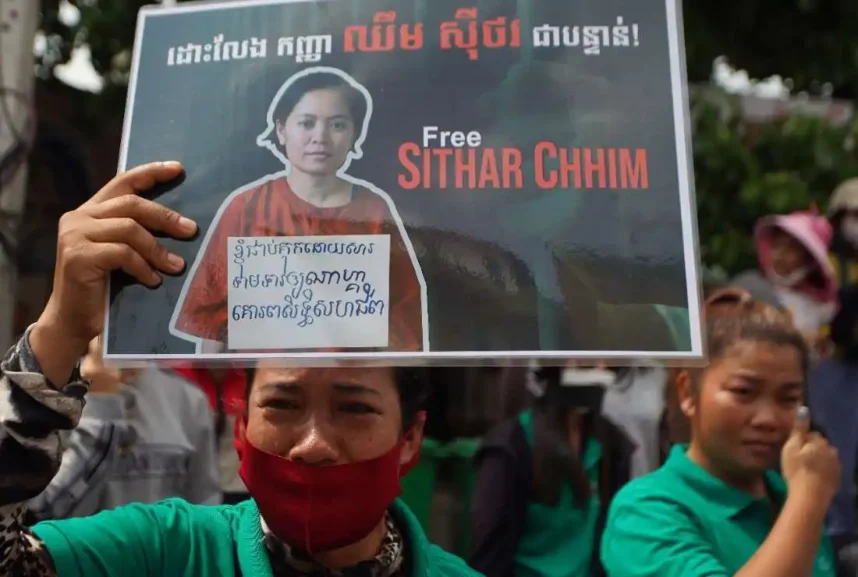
x: 115, y: 230
x: 810, y: 464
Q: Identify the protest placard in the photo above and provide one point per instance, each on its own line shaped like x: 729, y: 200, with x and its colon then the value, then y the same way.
x: 507, y: 179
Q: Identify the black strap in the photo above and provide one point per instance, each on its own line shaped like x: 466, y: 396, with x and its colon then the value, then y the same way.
x: 220, y: 416
x: 843, y: 270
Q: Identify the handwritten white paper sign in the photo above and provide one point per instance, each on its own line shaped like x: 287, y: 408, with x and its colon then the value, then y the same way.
x: 308, y: 292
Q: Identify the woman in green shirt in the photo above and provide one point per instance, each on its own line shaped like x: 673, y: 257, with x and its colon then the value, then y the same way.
x: 718, y: 507
x: 321, y: 450
x: 545, y: 480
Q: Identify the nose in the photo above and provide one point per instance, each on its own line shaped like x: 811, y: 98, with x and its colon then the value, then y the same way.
x: 767, y: 416
x: 320, y: 132
x: 314, y: 447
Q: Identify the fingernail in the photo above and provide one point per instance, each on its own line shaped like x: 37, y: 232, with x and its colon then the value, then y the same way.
x: 803, y: 414
x: 187, y: 224
x: 175, y: 261
x: 172, y: 164
x: 154, y: 279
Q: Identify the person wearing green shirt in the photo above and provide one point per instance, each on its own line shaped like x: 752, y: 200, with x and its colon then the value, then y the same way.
x: 718, y: 507
x: 545, y: 479
x: 321, y: 450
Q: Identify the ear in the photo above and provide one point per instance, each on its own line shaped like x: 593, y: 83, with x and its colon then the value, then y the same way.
x: 412, y: 439
x: 238, y: 435
x: 280, y: 129
x: 685, y: 394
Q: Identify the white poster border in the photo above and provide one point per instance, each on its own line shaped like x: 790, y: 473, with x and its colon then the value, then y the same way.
x: 685, y: 172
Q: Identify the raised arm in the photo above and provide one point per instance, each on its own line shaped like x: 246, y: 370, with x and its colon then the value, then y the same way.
x: 34, y: 416
x: 77, y: 489
x: 41, y: 393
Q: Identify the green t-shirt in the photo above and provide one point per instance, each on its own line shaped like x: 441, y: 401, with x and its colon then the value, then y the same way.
x: 681, y: 521
x: 177, y: 539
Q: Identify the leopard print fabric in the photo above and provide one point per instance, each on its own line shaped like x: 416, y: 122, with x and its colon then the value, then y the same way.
x: 22, y: 554
x: 288, y: 562
x: 35, y: 417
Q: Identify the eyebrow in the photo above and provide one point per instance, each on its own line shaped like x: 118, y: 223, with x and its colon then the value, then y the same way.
x: 347, y: 388
x: 796, y: 386
x: 334, y: 117
x: 281, y: 386
x: 751, y: 377
x: 755, y: 379
x: 356, y: 389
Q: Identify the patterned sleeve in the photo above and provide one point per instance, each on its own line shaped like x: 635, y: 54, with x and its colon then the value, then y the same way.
x: 35, y: 418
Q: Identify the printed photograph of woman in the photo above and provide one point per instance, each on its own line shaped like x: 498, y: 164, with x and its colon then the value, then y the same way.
x: 317, y: 122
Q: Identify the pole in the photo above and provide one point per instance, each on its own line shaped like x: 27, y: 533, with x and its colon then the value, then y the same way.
x: 18, y: 23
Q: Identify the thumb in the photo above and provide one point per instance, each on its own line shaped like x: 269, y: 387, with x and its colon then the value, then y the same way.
x: 802, y: 424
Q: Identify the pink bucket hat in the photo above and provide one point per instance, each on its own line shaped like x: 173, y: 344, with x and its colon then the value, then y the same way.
x: 814, y: 232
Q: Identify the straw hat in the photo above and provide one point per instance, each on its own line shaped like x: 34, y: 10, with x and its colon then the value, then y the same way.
x: 844, y: 197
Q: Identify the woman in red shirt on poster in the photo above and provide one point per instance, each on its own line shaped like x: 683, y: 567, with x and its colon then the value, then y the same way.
x: 317, y: 123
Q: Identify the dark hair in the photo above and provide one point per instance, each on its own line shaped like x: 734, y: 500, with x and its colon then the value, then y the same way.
x: 355, y: 100
x: 412, y: 383
x: 553, y: 464
x: 732, y: 316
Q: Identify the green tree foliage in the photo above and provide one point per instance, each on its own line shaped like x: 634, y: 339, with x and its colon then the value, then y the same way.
x: 744, y: 172
x: 810, y: 42
x: 106, y: 26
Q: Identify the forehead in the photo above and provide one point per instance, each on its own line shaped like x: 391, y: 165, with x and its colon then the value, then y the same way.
x: 782, y: 237
x: 323, y: 102
x: 378, y: 379
x: 767, y: 363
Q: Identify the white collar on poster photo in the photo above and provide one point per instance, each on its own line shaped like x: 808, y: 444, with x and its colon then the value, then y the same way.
x: 268, y: 140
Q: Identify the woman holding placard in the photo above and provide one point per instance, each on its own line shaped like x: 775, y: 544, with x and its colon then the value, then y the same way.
x: 316, y: 125
x: 322, y: 450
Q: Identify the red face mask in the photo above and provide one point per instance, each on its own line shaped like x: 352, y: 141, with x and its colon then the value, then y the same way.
x: 320, y: 508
